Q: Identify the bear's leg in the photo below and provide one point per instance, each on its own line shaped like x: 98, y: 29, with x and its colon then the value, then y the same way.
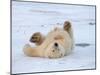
x: 32, y: 52
x: 37, y: 38
x: 68, y: 27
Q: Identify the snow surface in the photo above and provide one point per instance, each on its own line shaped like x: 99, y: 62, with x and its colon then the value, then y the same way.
x: 30, y: 17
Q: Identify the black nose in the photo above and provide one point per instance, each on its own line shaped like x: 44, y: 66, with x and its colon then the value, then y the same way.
x: 56, y: 44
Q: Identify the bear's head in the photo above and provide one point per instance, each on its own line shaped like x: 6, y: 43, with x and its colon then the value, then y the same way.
x: 55, y: 50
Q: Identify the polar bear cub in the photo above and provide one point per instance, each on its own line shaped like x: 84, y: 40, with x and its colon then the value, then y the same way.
x: 58, y: 43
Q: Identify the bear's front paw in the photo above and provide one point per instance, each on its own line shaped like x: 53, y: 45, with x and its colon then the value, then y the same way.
x: 67, y: 25
x: 36, y: 38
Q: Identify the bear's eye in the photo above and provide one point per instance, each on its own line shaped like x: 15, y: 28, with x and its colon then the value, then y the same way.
x: 53, y: 50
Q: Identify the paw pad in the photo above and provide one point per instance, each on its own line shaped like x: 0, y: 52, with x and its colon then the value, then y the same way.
x: 35, y: 37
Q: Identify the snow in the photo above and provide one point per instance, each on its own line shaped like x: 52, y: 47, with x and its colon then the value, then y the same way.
x: 31, y: 17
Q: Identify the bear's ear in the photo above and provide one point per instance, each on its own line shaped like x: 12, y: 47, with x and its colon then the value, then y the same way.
x: 67, y: 25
